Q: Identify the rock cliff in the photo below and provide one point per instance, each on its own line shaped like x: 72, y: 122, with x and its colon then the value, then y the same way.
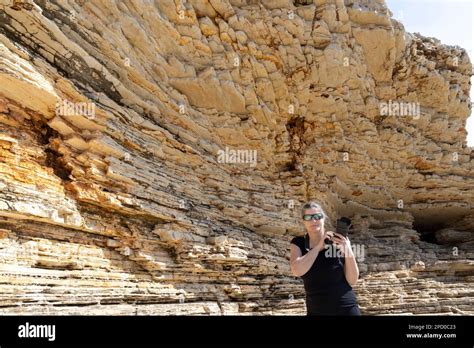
x: 154, y: 155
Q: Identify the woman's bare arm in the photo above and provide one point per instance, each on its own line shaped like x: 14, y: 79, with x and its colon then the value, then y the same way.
x: 351, y: 271
x: 301, y: 264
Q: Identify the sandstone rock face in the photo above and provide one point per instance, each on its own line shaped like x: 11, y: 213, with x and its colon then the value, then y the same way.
x: 153, y: 156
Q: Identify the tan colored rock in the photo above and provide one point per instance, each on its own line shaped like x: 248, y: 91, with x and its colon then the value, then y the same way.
x: 208, y: 28
x: 379, y: 49
x: 321, y: 34
x: 130, y: 209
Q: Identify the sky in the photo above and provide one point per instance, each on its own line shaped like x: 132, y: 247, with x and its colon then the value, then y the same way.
x: 451, y: 21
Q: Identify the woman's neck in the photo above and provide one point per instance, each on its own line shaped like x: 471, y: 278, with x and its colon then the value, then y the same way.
x: 313, y: 240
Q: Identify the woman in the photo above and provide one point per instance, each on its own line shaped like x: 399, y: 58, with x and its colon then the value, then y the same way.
x: 328, y: 272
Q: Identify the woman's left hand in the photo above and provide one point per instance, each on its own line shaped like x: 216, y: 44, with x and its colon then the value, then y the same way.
x: 342, y: 243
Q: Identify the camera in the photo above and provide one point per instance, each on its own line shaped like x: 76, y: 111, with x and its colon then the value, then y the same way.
x: 342, y: 227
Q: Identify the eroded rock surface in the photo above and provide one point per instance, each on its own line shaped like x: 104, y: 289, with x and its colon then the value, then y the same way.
x: 125, y: 208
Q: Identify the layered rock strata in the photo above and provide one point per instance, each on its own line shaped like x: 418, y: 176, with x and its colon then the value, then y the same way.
x: 154, y: 155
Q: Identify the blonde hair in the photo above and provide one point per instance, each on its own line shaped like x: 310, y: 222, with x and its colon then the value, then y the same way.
x: 310, y: 205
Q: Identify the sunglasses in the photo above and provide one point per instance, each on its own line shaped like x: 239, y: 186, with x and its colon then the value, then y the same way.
x: 309, y: 217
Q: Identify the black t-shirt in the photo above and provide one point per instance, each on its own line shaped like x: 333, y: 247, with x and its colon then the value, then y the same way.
x: 325, y: 283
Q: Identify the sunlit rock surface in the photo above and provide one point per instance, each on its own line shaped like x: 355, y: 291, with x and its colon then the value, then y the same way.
x: 122, y: 190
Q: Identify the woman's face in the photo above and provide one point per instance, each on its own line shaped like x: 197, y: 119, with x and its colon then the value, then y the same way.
x: 314, y: 226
